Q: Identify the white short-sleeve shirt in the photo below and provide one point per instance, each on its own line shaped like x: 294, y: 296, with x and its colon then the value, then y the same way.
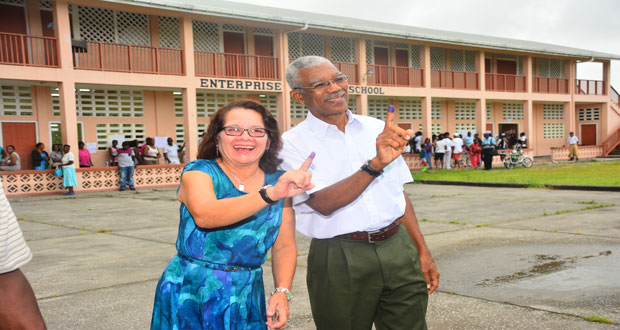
x: 573, y: 140
x: 67, y: 158
x: 338, y: 156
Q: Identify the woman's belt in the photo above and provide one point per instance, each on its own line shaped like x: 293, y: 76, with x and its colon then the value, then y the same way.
x: 375, y: 235
x: 226, y: 268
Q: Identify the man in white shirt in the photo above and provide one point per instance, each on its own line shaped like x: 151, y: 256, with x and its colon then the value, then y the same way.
x: 573, y: 141
x: 171, y: 152
x: 457, y: 150
x: 363, y: 266
x: 418, y: 142
x: 440, y: 148
x: 447, y: 154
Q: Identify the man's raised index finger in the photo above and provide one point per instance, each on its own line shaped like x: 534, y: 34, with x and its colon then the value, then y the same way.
x: 389, y: 120
x: 306, y: 165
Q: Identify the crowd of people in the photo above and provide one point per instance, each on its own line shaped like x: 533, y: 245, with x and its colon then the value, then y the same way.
x: 446, y: 151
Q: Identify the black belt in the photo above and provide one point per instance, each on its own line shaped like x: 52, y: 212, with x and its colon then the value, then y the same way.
x: 374, y: 235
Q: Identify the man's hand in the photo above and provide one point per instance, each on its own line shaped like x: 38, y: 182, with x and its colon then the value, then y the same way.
x: 431, y: 275
x: 390, y: 142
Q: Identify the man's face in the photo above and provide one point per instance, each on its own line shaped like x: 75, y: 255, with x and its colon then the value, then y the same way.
x: 322, y: 102
x: 169, y: 141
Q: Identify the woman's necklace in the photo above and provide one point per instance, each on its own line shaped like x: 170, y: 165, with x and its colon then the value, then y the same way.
x: 241, y: 184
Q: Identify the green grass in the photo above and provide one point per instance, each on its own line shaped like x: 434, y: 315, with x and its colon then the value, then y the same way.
x: 584, y: 173
x: 599, y: 319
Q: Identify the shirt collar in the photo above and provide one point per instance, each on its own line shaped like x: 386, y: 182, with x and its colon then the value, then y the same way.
x: 319, y: 127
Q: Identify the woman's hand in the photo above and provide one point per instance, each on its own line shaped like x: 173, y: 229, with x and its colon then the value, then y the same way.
x: 277, y: 311
x: 293, y: 182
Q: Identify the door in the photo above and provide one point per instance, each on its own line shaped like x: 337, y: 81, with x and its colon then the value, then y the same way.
x: 511, y: 131
x: 24, y: 137
x: 265, y: 67
x: 588, y: 135
x: 506, y: 67
x: 381, y: 62
x: 234, y: 44
x: 402, y: 69
x: 12, y: 20
x: 489, y: 128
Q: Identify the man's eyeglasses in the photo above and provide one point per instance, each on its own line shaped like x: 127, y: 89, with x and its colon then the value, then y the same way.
x: 238, y: 131
x: 320, y: 86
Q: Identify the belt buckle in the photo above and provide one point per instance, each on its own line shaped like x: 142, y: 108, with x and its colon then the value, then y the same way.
x: 371, y: 233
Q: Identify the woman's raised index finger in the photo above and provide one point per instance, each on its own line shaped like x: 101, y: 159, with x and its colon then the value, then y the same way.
x: 389, y: 120
x: 306, y: 165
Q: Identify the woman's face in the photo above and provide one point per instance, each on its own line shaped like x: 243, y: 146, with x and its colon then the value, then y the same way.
x: 9, y: 150
x: 55, y: 147
x: 243, y: 149
x: 41, y: 147
x: 80, y: 146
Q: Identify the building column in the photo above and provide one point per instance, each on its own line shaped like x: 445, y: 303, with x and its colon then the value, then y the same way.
x: 62, y: 30
x: 426, y: 66
x: 34, y: 17
x: 427, y: 126
x: 572, y: 82
x: 528, y: 74
x: 154, y: 31
x: 481, y: 115
x: 481, y: 70
x: 361, y: 102
x: 284, y: 98
x: 68, y: 117
x: 190, y: 116
x: 606, y: 78
x: 529, y: 123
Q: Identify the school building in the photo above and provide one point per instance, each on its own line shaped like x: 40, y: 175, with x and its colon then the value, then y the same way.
x: 78, y: 70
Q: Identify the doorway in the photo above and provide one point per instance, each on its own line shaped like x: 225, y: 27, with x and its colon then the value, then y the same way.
x: 509, y: 129
x: 265, y: 66
x: 381, y: 63
x: 234, y: 44
x: 402, y: 70
x: 23, y: 136
x: 587, y: 135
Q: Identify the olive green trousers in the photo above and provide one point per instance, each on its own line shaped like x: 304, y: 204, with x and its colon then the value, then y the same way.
x: 353, y: 284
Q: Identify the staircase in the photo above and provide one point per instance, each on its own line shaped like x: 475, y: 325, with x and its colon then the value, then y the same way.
x: 613, y: 140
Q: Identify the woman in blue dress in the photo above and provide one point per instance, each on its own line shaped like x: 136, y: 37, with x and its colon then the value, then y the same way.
x: 235, y: 206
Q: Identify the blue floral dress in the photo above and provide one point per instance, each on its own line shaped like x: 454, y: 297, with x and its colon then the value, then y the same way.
x: 216, y: 280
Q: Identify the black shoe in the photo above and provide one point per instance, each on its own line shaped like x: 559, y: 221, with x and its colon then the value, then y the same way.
x: 571, y: 158
x: 132, y: 188
x: 122, y: 189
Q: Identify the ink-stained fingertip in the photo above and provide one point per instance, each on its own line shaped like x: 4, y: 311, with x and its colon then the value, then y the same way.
x: 390, y: 108
x: 312, y: 154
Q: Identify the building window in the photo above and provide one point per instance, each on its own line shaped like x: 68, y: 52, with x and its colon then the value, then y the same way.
x: 438, y: 58
x: 352, y: 103
x: 586, y: 114
x: 305, y: 44
x: 343, y: 49
x: 105, y: 25
x: 109, y: 103
x: 378, y: 107
x: 553, y: 130
x: 465, y: 110
x: 550, y: 68
x: 436, y: 110
x: 131, y: 132
x: 436, y: 129
x: 489, y: 112
x: 178, y: 104
x: 513, y: 111
x: 180, y: 132
x: 462, y: 60
x: 206, y: 36
x: 553, y: 111
x: 410, y: 109
x: 298, y: 110
x: 465, y: 127
x: 16, y: 101
x: 208, y: 103
x: 169, y: 32
x: 270, y: 101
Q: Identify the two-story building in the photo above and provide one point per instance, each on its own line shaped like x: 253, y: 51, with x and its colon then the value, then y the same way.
x: 77, y: 70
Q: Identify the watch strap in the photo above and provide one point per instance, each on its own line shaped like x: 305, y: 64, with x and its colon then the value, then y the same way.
x: 265, y: 197
x: 366, y: 168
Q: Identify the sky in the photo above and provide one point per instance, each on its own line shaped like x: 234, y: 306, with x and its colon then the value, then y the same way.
x: 592, y: 24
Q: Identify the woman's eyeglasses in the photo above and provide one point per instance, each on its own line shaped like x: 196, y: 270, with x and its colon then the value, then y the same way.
x: 323, y: 85
x: 238, y: 131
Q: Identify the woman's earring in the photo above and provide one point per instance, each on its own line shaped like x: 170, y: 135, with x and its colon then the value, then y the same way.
x: 217, y: 151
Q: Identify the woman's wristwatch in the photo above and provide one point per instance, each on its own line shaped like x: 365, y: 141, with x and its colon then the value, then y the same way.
x: 288, y: 293
x: 265, y: 197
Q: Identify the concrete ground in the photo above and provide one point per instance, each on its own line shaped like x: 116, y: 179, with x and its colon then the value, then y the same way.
x: 509, y: 258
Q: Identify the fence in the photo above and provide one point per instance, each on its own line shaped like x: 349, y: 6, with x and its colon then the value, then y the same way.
x: 21, y: 49
x: 211, y: 64
x: 383, y: 75
x: 454, y: 79
x: 505, y: 82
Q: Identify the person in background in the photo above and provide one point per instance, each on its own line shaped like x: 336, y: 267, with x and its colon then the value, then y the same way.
x: 18, y: 304
x: 573, y: 141
x: 475, y: 151
x: 512, y: 141
x: 418, y: 142
x: 136, y: 151
x: 502, y: 142
x: 126, y: 161
x: 440, y: 149
x: 488, y: 150
x: 84, y: 156
x: 56, y: 155
x: 428, y: 147
x: 113, y: 153
x: 523, y: 140
x: 457, y: 144
x: 447, y: 153
x: 40, y: 158
x: 68, y: 170
x: 12, y: 161
x: 468, y: 140
x: 150, y: 155
x: 171, y: 152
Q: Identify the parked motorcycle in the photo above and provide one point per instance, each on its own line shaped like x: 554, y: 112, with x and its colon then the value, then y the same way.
x: 515, y: 158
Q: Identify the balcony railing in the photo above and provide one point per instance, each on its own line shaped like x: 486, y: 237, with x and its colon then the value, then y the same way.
x: 615, y: 97
x: 590, y: 87
x: 454, y: 79
x: 211, y: 64
x: 384, y: 75
x: 21, y: 49
x: 350, y: 69
x: 104, y: 56
x: 505, y: 82
x: 550, y: 85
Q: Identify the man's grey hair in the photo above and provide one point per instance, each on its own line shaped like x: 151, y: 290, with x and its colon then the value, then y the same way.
x: 292, y: 71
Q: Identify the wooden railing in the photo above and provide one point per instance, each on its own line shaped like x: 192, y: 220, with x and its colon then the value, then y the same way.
x: 350, y: 69
x: 104, y: 56
x: 505, y: 82
x: 615, y: 97
x: 550, y: 85
x: 383, y: 75
x: 212, y: 64
x: 454, y: 79
x: 612, y: 141
x: 21, y: 49
x: 590, y: 87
